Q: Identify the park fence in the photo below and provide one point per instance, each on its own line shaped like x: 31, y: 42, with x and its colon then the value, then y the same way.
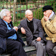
x: 18, y: 7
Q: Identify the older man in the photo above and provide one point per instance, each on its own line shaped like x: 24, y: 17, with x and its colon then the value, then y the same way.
x: 34, y: 32
x: 49, y: 25
x: 9, y: 39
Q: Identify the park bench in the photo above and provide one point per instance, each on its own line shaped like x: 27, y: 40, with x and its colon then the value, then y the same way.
x: 30, y: 50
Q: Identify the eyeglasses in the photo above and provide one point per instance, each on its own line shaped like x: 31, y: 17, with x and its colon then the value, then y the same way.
x: 8, y: 16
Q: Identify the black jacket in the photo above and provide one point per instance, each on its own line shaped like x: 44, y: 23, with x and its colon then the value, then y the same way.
x: 5, y: 33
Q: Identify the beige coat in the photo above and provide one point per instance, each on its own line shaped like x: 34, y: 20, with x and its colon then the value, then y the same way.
x: 50, y: 28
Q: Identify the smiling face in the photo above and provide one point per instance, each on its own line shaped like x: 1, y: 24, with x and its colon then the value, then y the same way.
x: 8, y: 17
x: 29, y: 16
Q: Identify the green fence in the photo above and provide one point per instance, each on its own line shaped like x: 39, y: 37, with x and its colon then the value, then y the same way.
x: 18, y: 7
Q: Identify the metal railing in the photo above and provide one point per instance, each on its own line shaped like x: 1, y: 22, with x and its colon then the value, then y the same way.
x: 18, y: 8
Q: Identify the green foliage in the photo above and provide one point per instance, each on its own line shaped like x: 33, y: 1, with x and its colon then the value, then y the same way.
x: 34, y: 0
x: 54, y: 6
x: 26, y: 0
x: 38, y: 14
x: 51, y: 3
x: 50, y: 0
x: 16, y: 23
x: 23, y: 7
x: 20, y: 15
x: 21, y: 0
x: 12, y: 16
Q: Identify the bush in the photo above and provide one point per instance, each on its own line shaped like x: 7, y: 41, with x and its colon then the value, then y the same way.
x: 54, y: 6
x: 16, y: 23
x: 38, y: 14
x: 20, y: 15
x: 34, y: 0
x: 25, y: 0
x: 21, y: 0
x: 51, y: 3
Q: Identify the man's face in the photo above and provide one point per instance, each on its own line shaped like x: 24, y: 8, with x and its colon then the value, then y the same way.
x: 8, y: 17
x: 47, y: 13
x: 29, y: 16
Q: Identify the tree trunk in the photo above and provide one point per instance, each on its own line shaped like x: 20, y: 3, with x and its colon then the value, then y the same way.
x: 14, y: 10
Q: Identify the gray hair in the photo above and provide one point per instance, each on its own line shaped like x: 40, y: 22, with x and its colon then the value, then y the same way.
x: 3, y: 13
x: 28, y: 11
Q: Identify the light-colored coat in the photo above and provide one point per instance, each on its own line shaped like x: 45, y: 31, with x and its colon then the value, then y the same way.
x: 50, y: 28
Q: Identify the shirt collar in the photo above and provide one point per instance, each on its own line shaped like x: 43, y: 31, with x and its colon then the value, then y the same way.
x: 29, y: 21
x: 5, y: 22
x: 51, y: 15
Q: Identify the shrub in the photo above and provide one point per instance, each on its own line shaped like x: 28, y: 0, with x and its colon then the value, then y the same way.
x: 20, y: 15
x: 16, y: 23
x: 51, y: 3
x: 38, y: 14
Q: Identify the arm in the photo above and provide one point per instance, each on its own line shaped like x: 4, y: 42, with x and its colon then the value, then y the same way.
x: 4, y: 32
x: 20, y: 27
x: 40, y: 29
x: 41, y: 32
x: 51, y: 26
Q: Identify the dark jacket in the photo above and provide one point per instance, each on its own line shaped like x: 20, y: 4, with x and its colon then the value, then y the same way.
x: 5, y: 33
x: 38, y: 31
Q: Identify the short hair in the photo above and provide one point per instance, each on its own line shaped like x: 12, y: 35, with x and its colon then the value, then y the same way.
x: 27, y: 11
x: 3, y: 13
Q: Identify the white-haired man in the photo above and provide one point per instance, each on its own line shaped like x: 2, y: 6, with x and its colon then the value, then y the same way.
x: 9, y: 38
x: 34, y: 32
x: 49, y: 25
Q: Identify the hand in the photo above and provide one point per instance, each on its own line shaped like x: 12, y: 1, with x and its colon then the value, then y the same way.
x: 23, y: 30
x: 16, y: 28
x: 38, y: 39
x: 46, y: 18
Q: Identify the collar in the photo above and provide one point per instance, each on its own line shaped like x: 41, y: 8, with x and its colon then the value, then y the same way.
x: 5, y: 22
x: 28, y: 20
x: 51, y: 15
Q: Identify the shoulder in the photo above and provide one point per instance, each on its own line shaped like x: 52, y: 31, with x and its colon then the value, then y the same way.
x: 22, y: 21
x: 55, y: 17
x: 37, y: 20
x: 42, y: 19
x: 1, y: 21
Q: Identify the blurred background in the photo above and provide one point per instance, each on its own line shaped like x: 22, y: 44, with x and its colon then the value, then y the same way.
x: 18, y: 7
